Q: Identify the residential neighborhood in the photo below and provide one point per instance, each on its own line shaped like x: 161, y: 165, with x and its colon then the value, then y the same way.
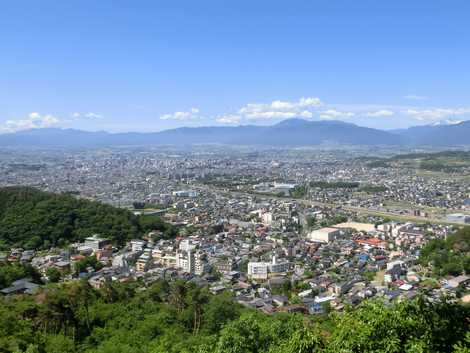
x: 272, y: 254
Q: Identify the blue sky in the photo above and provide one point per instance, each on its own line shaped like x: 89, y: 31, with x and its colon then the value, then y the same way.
x: 151, y: 65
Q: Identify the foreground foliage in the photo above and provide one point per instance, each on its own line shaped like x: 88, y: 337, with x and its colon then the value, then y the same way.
x: 180, y: 317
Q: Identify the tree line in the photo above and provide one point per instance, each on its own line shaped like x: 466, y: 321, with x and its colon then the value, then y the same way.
x: 181, y: 317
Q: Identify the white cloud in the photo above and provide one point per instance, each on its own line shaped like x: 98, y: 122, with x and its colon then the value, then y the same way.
x: 267, y: 115
x: 310, y: 102
x: 280, y: 105
x: 415, y: 97
x: 228, y: 119
x: 306, y: 114
x: 34, y: 120
x: 280, y: 109
x: 380, y: 113
x: 434, y: 114
x: 192, y: 114
x: 90, y: 115
x: 331, y: 114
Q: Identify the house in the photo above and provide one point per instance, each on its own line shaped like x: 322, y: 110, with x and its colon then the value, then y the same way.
x: 279, y: 300
x: 98, y: 281
x: 217, y: 289
x: 62, y: 266
x: 23, y: 285
x: 458, y: 281
x: 369, y: 243
x: 224, y: 265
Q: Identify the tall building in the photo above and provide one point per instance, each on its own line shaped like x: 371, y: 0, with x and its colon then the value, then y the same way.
x: 185, y: 261
x: 200, y: 263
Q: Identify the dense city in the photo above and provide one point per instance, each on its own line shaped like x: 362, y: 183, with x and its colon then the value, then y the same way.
x: 294, y: 230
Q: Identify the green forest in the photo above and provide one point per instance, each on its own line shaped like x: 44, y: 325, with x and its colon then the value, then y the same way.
x: 34, y: 219
x: 450, y: 256
x: 181, y: 317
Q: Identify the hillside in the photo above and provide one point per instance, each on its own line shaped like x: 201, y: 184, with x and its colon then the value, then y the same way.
x: 34, y: 219
x: 437, y: 135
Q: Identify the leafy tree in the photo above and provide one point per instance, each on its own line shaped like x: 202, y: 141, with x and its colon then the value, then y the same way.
x: 53, y: 274
x: 90, y: 261
x: 299, y: 191
x: 412, y: 326
x: 219, y: 311
x: 311, y: 221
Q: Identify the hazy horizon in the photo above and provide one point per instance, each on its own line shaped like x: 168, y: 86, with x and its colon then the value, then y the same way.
x: 214, y: 124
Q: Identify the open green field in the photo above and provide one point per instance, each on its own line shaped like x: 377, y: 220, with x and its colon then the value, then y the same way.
x: 401, y: 218
x: 442, y: 162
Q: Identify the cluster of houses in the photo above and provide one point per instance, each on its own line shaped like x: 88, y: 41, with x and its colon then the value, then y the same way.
x: 323, y: 269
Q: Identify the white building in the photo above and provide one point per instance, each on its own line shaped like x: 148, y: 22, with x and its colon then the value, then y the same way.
x: 397, y: 263
x: 185, y: 260
x: 258, y: 270
x: 185, y: 193
x: 137, y: 245
x: 187, y: 245
x: 323, y: 235
x: 267, y: 218
x: 95, y: 242
x: 284, y: 186
x: 261, y: 270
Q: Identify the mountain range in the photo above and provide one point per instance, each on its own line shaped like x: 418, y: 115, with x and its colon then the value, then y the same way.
x: 291, y: 132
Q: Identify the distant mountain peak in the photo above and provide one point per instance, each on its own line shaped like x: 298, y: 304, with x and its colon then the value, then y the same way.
x: 290, y: 132
x: 293, y: 122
